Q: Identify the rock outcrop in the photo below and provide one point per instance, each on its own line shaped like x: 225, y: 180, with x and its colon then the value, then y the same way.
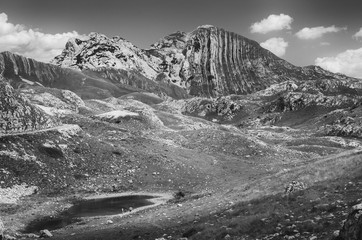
x: 343, y: 122
x: 17, y: 114
x: 122, y: 110
x: 54, y: 100
x: 221, y: 109
x: 352, y: 228
x: 293, y: 101
x: 100, y: 51
x: 208, y: 62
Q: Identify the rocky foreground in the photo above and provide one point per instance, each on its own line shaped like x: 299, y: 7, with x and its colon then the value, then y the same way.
x: 139, y: 142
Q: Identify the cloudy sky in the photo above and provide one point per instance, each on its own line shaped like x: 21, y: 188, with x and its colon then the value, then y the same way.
x: 304, y: 32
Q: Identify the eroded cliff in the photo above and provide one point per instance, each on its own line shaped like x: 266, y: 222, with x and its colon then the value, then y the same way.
x: 207, y: 62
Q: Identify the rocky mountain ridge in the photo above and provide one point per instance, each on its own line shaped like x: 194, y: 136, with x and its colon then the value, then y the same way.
x: 101, y: 51
x: 208, y: 61
x: 23, y: 72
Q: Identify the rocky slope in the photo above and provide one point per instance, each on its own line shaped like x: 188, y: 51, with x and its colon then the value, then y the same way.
x: 20, y: 71
x: 208, y: 61
x: 54, y: 102
x: 17, y: 114
x: 330, y: 106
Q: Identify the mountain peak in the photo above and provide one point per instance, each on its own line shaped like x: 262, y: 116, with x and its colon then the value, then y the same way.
x: 100, y: 51
x: 206, y: 26
x: 208, y: 61
x: 96, y: 35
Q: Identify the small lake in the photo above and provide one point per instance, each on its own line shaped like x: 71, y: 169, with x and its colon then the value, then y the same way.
x: 108, y: 206
x: 90, y: 208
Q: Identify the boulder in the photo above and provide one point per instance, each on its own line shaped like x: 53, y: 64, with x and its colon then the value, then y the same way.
x: 51, y: 150
x: 45, y: 234
x: 294, y: 186
x: 72, y: 98
x: 352, y: 228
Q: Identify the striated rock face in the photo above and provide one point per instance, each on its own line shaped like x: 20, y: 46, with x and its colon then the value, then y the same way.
x: 218, y: 62
x: 18, y: 69
x: 212, y: 62
x: 208, y: 61
x: 18, y: 115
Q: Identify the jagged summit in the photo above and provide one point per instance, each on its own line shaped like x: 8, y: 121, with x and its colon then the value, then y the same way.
x: 206, y: 26
x: 208, y: 61
x: 100, y: 51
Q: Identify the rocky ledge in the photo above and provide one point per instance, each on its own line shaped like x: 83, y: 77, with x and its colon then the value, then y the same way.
x: 17, y: 114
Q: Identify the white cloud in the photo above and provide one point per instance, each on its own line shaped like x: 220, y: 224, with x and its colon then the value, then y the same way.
x: 276, y: 45
x: 348, y: 62
x: 316, y: 32
x: 325, y: 44
x: 31, y: 43
x: 358, y: 34
x: 272, y: 23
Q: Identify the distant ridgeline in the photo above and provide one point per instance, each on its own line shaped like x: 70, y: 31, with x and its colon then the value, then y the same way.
x: 20, y: 71
x: 207, y: 62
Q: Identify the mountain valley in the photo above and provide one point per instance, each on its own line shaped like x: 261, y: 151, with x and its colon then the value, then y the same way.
x: 210, y: 120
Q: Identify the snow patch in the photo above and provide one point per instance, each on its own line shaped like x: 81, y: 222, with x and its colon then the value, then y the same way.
x: 69, y: 130
x: 116, y: 114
